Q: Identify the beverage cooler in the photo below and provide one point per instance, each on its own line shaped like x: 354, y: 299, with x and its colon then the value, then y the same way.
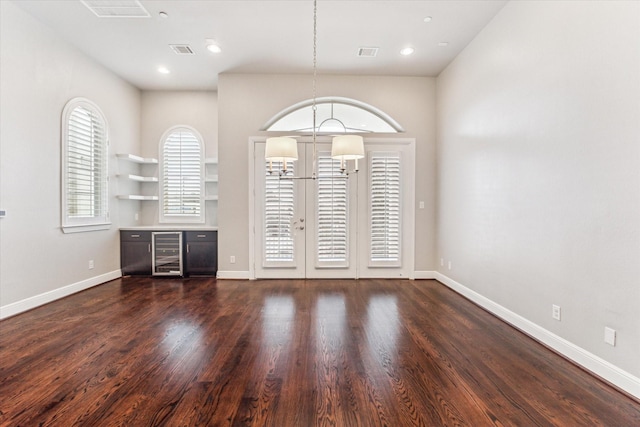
x: 167, y: 253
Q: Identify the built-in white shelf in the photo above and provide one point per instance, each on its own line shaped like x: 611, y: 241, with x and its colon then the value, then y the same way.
x: 211, y: 177
x: 138, y: 178
x: 137, y: 159
x: 136, y: 197
x: 135, y: 177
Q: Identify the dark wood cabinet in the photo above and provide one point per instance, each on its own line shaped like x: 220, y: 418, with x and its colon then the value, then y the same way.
x: 201, y: 252
x: 135, y: 252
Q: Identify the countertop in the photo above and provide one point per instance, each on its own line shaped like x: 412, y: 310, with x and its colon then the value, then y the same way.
x: 167, y: 227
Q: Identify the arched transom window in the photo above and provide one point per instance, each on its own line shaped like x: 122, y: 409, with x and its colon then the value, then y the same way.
x: 333, y: 115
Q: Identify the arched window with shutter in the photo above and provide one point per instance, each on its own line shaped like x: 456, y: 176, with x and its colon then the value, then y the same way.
x: 181, y: 176
x: 85, y: 173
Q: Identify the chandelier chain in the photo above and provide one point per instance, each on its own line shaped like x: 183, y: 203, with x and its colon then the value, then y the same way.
x: 315, y: 73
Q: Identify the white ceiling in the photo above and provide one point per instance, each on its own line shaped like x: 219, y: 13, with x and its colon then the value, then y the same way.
x: 265, y: 36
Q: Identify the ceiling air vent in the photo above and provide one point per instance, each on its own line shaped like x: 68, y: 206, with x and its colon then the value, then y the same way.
x: 116, y: 8
x: 182, y: 49
x: 367, y: 52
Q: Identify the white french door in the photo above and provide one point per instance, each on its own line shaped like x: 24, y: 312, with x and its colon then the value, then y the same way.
x: 303, y: 227
x: 332, y: 226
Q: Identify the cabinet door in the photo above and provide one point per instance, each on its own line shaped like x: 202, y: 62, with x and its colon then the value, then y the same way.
x: 201, y: 255
x: 135, y: 253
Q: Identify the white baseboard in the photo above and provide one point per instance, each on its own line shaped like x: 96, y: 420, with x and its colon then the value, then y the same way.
x: 421, y: 275
x: 47, y: 297
x: 600, y: 367
x: 237, y: 275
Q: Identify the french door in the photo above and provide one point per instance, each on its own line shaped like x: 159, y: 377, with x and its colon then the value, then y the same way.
x: 305, y: 228
x: 332, y: 226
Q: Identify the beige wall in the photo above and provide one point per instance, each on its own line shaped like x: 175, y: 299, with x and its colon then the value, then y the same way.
x: 39, y: 74
x: 247, y: 101
x: 162, y: 110
x: 539, y: 160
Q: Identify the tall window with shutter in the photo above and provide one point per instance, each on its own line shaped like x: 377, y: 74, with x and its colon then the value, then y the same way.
x: 279, y: 205
x: 384, y: 209
x: 332, y: 214
x: 85, y: 174
x: 181, y: 196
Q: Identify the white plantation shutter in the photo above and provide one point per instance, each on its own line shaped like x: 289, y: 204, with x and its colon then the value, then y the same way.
x: 384, y: 207
x: 332, y: 214
x: 279, y: 205
x: 182, y: 179
x: 85, y: 167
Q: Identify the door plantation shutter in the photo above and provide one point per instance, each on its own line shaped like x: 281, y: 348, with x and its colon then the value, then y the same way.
x: 182, y: 175
x: 278, y: 217
x: 87, y: 196
x: 385, y: 219
x: 332, y: 214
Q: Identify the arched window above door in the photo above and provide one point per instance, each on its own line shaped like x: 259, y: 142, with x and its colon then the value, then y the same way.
x: 333, y: 115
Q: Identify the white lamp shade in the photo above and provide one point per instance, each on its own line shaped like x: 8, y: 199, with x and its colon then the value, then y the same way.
x: 347, y: 147
x: 281, y: 148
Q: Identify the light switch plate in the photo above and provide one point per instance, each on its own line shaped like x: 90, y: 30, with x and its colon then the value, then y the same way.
x: 610, y: 336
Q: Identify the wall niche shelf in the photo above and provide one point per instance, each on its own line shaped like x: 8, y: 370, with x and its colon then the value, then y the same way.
x: 211, y: 179
x: 136, y: 197
x: 137, y: 159
x: 138, y: 176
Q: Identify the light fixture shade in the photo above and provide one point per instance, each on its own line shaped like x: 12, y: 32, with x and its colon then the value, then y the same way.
x: 281, y: 148
x: 347, y: 147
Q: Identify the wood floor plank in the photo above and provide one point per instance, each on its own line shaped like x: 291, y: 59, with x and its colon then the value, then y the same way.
x: 200, y: 352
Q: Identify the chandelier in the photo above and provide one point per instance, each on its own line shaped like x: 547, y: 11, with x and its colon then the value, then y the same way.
x: 345, y: 147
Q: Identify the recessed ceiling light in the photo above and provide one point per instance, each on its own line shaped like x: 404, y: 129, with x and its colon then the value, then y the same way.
x: 443, y: 44
x: 163, y: 70
x: 428, y: 19
x: 407, y: 51
x: 212, y: 46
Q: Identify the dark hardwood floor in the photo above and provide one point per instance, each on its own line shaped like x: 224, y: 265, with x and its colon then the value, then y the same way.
x: 201, y: 352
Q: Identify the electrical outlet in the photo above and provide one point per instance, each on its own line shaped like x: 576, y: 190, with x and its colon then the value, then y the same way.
x: 232, y: 259
x: 610, y: 336
x: 136, y: 216
x: 91, y: 265
x: 421, y: 205
x: 555, y: 312
x: 449, y: 265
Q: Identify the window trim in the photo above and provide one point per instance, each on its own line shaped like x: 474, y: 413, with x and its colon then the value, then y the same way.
x: 169, y: 219
x: 354, y: 103
x: 325, y: 263
x: 79, y: 225
x: 292, y: 192
x: 372, y: 263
